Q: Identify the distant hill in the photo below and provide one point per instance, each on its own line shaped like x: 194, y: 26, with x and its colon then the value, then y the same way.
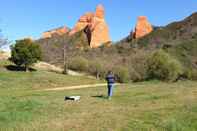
x: 178, y: 38
x: 181, y: 30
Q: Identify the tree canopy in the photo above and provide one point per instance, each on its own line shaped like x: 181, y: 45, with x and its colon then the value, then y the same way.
x: 25, y: 53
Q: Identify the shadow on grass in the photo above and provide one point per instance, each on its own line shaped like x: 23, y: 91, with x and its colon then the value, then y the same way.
x: 100, y: 96
x: 17, y: 68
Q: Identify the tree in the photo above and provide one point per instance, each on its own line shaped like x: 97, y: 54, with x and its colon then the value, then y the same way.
x: 68, y: 53
x: 3, y: 41
x: 25, y: 53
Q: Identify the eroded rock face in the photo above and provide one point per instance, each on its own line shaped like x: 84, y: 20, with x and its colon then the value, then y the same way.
x: 143, y: 27
x: 58, y: 31
x: 94, y: 26
x: 83, y: 21
x: 100, y: 12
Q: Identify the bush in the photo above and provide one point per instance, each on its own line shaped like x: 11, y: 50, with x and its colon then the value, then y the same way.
x: 194, y: 75
x: 95, y: 68
x: 162, y: 66
x: 99, y: 68
x: 122, y: 74
x: 135, y: 75
x: 78, y: 64
x: 190, y: 74
x: 25, y: 53
x: 138, y: 66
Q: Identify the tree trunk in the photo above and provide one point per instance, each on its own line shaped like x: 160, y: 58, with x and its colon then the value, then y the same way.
x: 26, y: 68
x: 97, y: 75
x: 65, y: 69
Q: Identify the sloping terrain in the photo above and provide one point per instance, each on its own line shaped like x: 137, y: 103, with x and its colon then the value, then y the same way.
x: 181, y: 30
x: 178, y: 38
x: 11, y: 78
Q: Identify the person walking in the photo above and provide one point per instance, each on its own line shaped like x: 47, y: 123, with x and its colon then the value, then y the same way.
x: 110, y: 83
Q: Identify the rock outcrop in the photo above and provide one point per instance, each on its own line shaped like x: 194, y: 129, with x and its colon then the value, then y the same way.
x: 83, y: 21
x: 94, y: 26
x: 143, y: 27
x: 58, y: 31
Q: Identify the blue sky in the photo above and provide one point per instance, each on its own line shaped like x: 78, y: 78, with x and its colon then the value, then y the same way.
x: 24, y: 18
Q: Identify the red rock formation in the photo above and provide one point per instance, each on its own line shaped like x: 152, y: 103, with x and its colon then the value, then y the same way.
x: 100, y: 12
x: 143, y: 27
x: 82, y: 23
x: 95, y: 27
x: 58, y: 31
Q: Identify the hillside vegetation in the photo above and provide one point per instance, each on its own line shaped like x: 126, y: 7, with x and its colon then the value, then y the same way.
x: 53, y: 48
x: 128, y: 57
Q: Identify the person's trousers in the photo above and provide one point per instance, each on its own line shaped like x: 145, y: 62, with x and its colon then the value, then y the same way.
x: 110, y: 90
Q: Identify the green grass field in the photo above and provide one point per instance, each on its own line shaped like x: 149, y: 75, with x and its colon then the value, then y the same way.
x: 147, y: 106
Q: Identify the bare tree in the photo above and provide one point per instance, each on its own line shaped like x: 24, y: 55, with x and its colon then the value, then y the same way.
x: 3, y: 41
x: 66, y: 57
x: 68, y: 53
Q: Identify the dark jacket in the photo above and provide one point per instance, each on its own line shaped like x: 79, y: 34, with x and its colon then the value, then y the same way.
x: 110, y: 79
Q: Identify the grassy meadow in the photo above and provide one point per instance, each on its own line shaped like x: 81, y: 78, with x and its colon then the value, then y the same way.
x: 146, y: 106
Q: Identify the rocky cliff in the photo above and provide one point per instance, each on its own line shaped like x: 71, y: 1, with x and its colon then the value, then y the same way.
x: 94, y: 26
x: 57, y: 31
x: 143, y: 27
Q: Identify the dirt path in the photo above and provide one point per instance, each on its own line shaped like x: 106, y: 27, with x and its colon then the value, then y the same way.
x: 75, y: 87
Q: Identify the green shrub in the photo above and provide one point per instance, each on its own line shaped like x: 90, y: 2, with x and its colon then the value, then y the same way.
x: 122, y: 74
x: 95, y: 68
x: 190, y: 74
x: 78, y: 64
x: 162, y: 66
